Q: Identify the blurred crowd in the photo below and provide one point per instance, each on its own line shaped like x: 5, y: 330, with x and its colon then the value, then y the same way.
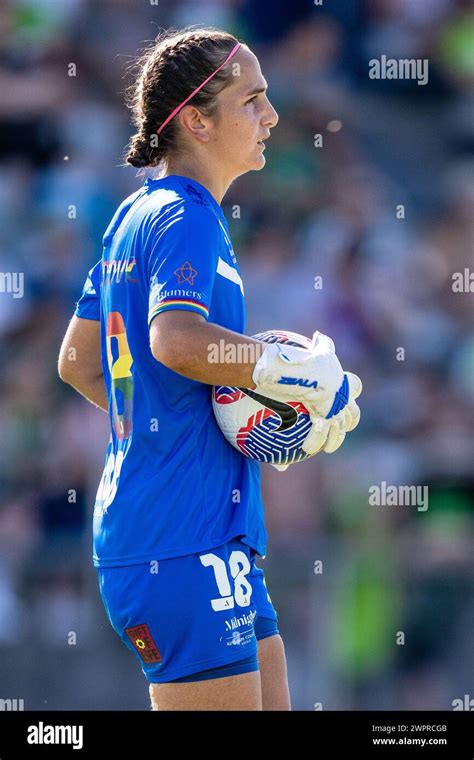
x: 358, y: 237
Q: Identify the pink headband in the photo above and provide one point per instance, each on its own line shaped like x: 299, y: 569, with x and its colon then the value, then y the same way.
x: 178, y: 108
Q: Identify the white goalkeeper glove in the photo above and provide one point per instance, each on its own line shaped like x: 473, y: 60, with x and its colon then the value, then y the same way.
x: 314, y: 377
x: 328, y: 434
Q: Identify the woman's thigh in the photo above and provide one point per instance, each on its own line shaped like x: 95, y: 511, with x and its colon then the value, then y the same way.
x: 240, y: 692
x: 273, y: 674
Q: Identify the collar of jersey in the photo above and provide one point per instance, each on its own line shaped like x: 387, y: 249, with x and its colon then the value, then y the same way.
x: 203, y: 190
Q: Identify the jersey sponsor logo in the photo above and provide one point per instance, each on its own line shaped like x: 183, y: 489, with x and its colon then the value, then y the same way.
x: 236, y: 622
x: 161, y: 299
x: 240, y: 638
x: 178, y: 293
x: 186, y: 273
x: 298, y: 381
x: 118, y: 270
x: 142, y: 641
x: 194, y: 193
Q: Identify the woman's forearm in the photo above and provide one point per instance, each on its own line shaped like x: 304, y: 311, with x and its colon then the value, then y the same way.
x: 215, y: 355
x: 93, y: 390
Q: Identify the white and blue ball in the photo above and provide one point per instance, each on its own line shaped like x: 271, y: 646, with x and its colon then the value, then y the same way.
x: 262, y: 428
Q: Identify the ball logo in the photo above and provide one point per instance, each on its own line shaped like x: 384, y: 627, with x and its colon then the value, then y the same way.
x: 287, y: 413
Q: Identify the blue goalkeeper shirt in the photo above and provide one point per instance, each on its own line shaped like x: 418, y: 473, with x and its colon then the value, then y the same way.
x: 172, y: 485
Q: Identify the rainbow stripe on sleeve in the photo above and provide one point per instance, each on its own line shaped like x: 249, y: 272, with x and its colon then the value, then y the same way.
x: 184, y: 303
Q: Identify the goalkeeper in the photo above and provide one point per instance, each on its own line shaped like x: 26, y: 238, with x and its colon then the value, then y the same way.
x: 174, y: 549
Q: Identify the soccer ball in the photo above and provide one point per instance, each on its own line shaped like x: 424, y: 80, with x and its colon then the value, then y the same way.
x: 259, y: 427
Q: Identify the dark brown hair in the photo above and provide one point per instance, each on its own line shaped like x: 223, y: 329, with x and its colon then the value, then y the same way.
x: 170, y: 69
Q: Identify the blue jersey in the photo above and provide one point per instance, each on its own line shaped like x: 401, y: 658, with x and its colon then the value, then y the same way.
x: 172, y: 485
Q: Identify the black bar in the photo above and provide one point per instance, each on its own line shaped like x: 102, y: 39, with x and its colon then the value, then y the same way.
x: 446, y: 734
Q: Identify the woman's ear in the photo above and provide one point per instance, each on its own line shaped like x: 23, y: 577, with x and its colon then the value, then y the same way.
x: 195, y: 123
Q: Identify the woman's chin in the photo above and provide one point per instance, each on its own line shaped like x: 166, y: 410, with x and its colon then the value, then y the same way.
x: 259, y: 163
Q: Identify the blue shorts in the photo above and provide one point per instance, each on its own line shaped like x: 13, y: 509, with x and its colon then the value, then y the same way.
x: 194, y: 617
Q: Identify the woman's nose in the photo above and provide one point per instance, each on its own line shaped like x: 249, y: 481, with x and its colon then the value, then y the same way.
x: 273, y: 118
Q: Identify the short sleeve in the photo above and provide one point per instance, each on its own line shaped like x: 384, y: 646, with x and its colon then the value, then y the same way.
x: 88, y: 306
x: 183, y: 262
